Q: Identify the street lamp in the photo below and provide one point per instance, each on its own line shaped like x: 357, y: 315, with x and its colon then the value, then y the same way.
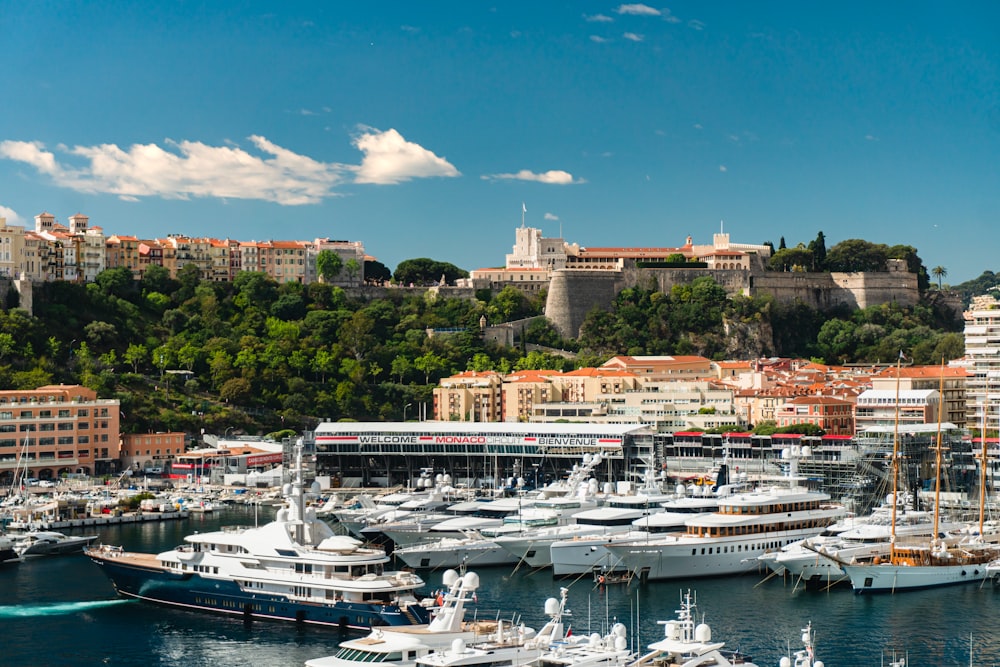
x: 225, y: 436
x: 404, y: 410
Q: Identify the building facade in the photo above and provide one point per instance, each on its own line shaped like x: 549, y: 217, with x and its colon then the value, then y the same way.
x: 57, y: 429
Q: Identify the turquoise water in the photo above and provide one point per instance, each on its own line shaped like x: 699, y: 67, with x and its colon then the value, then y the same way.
x: 63, y: 611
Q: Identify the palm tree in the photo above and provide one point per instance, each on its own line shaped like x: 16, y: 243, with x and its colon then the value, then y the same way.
x: 939, y: 272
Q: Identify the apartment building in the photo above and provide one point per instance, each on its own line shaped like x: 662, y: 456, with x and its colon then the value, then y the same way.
x: 473, y: 396
x: 982, y: 361
x: 833, y: 415
x: 153, y: 452
x: 880, y: 407
x: 57, y: 429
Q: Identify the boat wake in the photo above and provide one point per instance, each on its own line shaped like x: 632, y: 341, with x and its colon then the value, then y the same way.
x: 55, y: 608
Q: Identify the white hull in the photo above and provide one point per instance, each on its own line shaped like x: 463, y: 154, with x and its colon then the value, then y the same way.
x: 689, y: 556
x: 536, y: 550
x: 887, y: 578
x: 571, y: 557
x: 476, y: 555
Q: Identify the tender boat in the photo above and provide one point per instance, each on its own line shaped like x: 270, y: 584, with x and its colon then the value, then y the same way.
x: 49, y: 543
x: 7, y: 553
x: 294, y: 568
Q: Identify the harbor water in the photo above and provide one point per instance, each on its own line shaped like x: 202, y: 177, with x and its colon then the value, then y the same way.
x: 63, y: 611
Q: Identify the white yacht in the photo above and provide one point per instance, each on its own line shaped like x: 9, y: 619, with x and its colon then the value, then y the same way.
x: 294, y: 568
x: 401, y: 646
x: 729, y: 540
x: 687, y: 643
x: 506, y: 650
x: 555, y: 506
x: 587, y: 553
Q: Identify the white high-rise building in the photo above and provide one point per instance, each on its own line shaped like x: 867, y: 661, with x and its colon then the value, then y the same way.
x: 982, y: 360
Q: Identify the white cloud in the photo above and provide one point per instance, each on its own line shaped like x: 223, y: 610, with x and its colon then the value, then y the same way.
x: 597, y: 18
x: 10, y: 215
x: 633, y: 37
x: 695, y: 24
x: 550, y: 216
x: 638, y: 9
x: 669, y: 17
x: 552, y: 177
x: 184, y: 169
x: 871, y: 137
x: 389, y: 158
x: 723, y: 168
x: 697, y: 126
x: 598, y: 39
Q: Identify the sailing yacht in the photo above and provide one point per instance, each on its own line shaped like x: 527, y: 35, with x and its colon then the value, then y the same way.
x: 922, y: 563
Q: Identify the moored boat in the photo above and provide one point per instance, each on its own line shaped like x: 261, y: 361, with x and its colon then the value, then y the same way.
x: 49, y: 543
x: 689, y: 643
x: 294, y: 568
x: 729, y: 540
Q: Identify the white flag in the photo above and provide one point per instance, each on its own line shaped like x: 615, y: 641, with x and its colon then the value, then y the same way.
x: 524, y: 209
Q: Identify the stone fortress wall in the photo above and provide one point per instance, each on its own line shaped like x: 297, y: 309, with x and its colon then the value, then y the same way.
x: 572, y: 294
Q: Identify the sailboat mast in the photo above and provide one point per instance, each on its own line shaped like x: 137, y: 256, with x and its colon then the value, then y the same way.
x: 982, y: 464
x: 937, y: 467
x: 895, y: 462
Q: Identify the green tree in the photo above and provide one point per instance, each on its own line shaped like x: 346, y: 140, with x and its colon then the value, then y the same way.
x: 430, y: 363
x: 856, y: 255
x: 818, y: 249
x: 425, y: 271
x: 790, y: 259
x: 328, y: 265
x: 136, y: 355
x: 352, y: 268
x: 376, y: 272
x: 939, y: 272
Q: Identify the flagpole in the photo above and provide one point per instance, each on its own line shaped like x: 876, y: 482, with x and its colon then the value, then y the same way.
x: 524, y: 209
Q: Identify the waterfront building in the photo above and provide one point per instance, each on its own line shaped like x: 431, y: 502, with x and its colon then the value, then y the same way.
x: 982, y: 360
x: 886, y: 407
x: 954, y: 398
x: 57, y: 429
x: 152, y: 452
x: 833, y: 415
x: 481, y: 454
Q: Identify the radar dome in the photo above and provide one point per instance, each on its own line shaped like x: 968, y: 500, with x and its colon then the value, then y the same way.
x: 785, y: 662
x: 703, y: 633
x: 621, y: 643
x: 449, y: 577
x: 552, y: 606
x: 470, y: 580
x: 315, y: 488
x: 458, y: 646
x: 618, y: 630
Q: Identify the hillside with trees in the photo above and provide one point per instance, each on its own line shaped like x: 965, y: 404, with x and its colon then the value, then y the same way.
x: 258, y: 356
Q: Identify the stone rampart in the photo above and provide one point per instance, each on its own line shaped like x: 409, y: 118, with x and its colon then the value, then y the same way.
x: 573, y: 294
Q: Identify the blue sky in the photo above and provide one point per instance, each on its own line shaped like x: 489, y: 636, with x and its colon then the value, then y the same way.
x: 420, y: 128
